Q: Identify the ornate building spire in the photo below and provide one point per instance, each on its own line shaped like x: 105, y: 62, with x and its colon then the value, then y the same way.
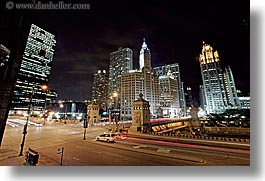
x: 144, y: 46
x: 145, y: 57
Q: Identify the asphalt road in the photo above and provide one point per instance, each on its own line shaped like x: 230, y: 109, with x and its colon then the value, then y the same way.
x: 132, y: 151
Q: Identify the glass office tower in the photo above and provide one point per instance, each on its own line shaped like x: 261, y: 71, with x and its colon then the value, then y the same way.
x: 35, y: 70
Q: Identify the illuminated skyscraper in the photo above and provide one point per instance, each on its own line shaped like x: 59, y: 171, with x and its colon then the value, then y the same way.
x: 175, y: 72
x: 212, y: 77
x: 231, y: 92
x: 100, y: 89
x: 121, y: 61
x: 140, y: 81
x: 35, y: 69
x: 145, y: 57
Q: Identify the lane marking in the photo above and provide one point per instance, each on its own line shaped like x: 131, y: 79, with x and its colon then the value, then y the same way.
x: 162, y: 150
x: 76, y: 158
x: 139, y: 146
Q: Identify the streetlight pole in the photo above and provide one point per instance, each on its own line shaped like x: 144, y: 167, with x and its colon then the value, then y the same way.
x: 125, y: 112
x: 26, y: 125
x: 61, y: 107
x: 44, y: 88
x: 65, y: 113
x: 115, y: 95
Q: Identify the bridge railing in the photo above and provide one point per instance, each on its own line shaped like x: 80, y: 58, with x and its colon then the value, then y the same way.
x: 222, y: 139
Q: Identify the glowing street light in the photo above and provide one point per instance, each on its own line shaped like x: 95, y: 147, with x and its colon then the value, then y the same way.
x: 44, y: 88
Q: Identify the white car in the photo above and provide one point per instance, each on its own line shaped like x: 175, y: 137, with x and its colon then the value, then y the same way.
x: 108, y: 137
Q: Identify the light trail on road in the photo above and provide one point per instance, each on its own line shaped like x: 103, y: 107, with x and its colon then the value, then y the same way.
x: 184, y: 145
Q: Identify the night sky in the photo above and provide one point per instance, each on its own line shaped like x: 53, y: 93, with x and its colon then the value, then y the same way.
x: 174, y: 31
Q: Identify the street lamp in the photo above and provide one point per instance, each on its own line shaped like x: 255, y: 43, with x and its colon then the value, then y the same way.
x: 64, y: 111
x: 125, y: 112
x: 115, y: 95
x: 26, y: 125
x: 61, y: 107
x: 109, y: 112
x: 44, y: 88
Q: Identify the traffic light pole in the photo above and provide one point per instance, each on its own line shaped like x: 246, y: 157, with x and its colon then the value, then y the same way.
x: 85, y: 126
x: 26, y: 126
x: 84, y: 134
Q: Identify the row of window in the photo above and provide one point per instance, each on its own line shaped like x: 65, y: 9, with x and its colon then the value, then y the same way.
x: 140, y: 108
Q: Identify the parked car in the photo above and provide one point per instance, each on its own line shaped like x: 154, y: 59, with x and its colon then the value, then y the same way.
x: 108, y: 137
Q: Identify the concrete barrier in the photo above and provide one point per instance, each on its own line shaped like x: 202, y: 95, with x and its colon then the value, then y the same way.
x: 238, y: 140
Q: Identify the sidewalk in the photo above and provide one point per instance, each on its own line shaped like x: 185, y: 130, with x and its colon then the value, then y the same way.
x: 9, y: 157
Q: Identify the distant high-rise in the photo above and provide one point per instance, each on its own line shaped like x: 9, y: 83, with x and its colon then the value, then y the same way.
x: 121, y: 61
x: 244, y: 102
x: 140, y: 81
x: 175, y: 72
x: 231, y: 92
x: 100, y: 89
x: 35, y: 69
x: 202, y: 98
x: 188, y: 96
x: 169, y: 96
x: 212, y: 78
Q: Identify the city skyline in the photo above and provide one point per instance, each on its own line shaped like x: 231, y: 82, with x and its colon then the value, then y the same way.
x: 128, y: 72
x: 174, y: 33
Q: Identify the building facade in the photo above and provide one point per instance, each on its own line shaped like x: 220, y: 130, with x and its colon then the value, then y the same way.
x: 35, y: 70
x: 231, y: 92
x: 121, y: 61
x: 93, y: 113
x: 134, y: 83
x: 244, y: 102
x: 212, y: 77
x: 188, y: 97
x: 4, y: 56
x: 100, y: 89
x: 169, y: 96
x: 175, y: 72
